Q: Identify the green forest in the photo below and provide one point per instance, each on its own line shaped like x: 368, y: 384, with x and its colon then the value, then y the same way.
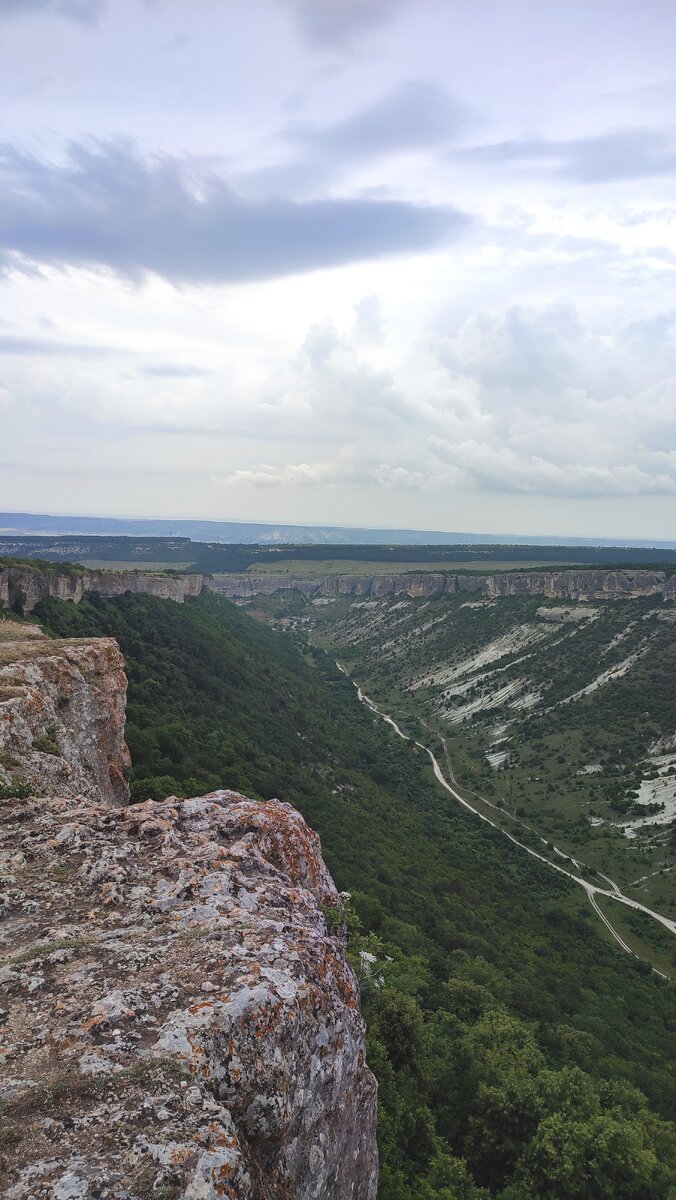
x: 184, y: 553
x: 519, y: 1055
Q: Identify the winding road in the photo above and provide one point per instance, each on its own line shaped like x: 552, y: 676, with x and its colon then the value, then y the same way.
x: 591, y: 889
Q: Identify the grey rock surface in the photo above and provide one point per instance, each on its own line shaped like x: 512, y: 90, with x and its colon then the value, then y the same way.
x: 62, y: 713
x: 178, y: 1017
x: 22, y: 588
x: 565, y: 585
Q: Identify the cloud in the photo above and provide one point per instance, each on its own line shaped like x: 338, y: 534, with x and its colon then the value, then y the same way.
x: 296, y: 474
x: 569, y: 408
x: 415, y: 117
x: 626, y: 154
x: 85, y: 12
x: 502, y: 469
x: 531, y: 356
x: 107, y: 207
x: 347, y: 470
x: 398, y: 478
x: 174, y: 371
x: 417, y: 114
x: 528, y: 401
x: 341, y: 24
x: 369, y: 325
x: 178, y: 42
x: 31, y: 347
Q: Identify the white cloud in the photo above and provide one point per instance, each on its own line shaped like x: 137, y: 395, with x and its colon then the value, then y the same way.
x: 500, y: 468
x: 296, y: 474
x: 526, y: 367
x: 488, y: 408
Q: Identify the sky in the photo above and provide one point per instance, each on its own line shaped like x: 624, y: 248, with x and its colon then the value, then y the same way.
x: 399, y: 263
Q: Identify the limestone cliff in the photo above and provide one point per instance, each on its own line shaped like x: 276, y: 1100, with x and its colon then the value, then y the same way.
x: 22, y: 588
x: 179, y: 1019
x: 565, y: 585
x: 62, y: 714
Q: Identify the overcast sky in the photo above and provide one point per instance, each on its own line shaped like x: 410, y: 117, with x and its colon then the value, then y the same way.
x: 370, y: 262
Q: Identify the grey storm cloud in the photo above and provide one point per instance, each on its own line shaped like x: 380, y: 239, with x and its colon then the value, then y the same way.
x: 340, y: 24
x: 87, y: 12
x: 625, y: 154
x: 105, y: 206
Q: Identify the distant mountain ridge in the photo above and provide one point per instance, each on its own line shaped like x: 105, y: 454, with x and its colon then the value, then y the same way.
x: 247, y: 532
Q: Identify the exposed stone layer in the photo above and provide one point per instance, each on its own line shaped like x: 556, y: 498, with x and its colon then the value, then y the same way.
x: 568, y: 585
x: 22, y: 588
x: 181, y: 1020
x: 62, y: 714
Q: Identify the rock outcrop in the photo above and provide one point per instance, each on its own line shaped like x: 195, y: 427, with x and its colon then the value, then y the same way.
x: 22, y: 588
x: 564, y: 585
x: 62, y: 714
x: 179, y: 1018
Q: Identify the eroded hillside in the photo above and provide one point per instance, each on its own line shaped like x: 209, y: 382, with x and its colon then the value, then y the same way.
x: 562, y: 715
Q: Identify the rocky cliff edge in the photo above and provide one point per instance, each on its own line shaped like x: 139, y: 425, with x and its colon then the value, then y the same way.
x: 178, y: 1018
x: 62, y: 706
x: 22, y: 588
x: 565, y: 585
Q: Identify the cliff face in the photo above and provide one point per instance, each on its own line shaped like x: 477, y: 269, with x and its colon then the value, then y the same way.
x: 568, y: 585
x: 62, y: 714
x: 23, y: 588
x: 179, y: 1019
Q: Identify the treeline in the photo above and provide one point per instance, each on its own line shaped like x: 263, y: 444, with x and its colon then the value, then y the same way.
x: 236, y: 558
x: 218, y: 557
x: 513, y: 1046
x: 179, y: 550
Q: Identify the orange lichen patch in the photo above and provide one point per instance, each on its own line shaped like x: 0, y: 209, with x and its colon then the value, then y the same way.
x: 195, y: 1008
x: 182, y: 1156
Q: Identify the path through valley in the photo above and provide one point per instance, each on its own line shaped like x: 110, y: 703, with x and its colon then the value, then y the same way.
x: 591, y: 889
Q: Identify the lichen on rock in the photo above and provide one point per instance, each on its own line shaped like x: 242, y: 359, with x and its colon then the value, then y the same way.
x: 62, y: 712
x: 180, y: 1020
